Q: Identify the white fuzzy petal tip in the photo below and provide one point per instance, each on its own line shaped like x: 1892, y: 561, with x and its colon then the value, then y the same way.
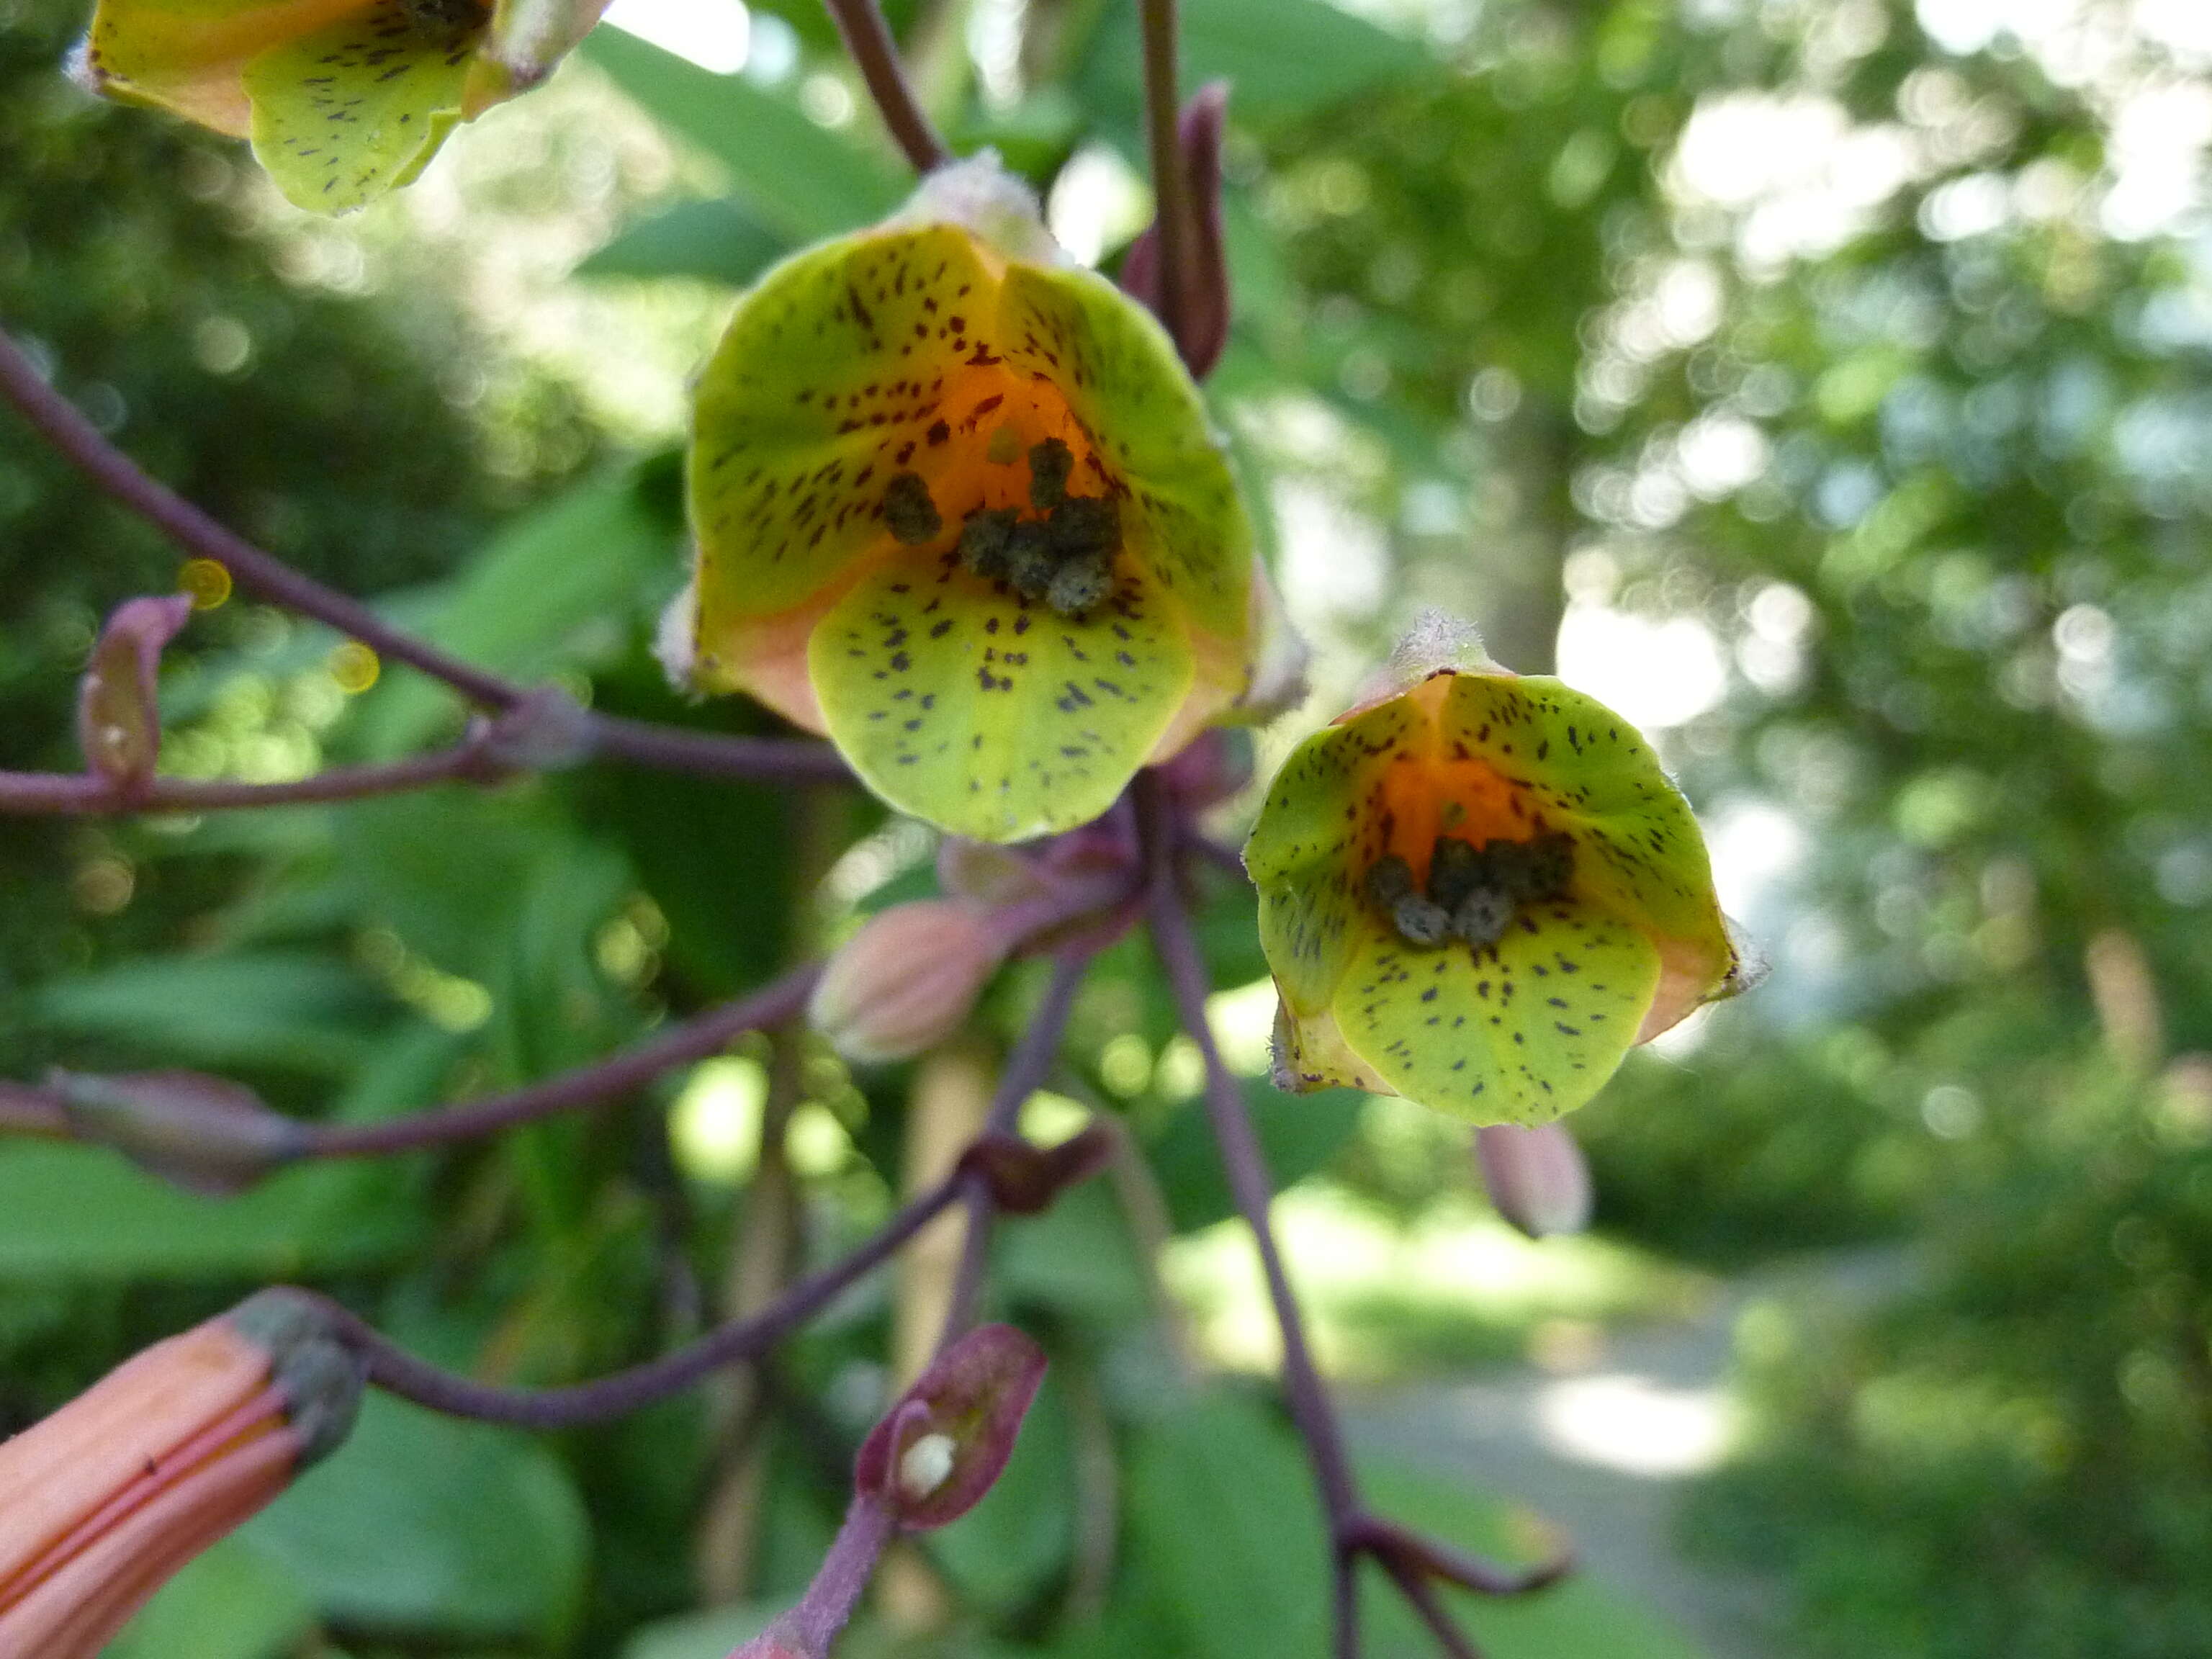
x: 978, y: 194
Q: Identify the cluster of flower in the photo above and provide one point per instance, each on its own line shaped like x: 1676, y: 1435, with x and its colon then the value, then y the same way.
x: 1472, y: 891
x: 1063, y: 558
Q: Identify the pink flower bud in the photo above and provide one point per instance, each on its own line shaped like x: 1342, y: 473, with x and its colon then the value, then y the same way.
x: 943, y: 1444
x: 119, y: 724
x: 202, y: 1134
x: 115, y: 1491
x: 906, y: 981
x: 1536, y: 1176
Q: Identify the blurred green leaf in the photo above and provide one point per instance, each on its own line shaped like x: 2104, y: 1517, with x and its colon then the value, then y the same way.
x: 424, y: 1525
x: 290, y: 1009
x: 81, y: 1212
x: 1298, y: 1133
x: 231, y: 1603
x: 708, y: 1635
x: 1284, y: 59
x: 717, y: 240
x: 803, y: 180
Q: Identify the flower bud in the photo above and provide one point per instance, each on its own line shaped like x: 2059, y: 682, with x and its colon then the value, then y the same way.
x: 119, y: 724
x: 202, y: 1134
x: 1536, y: 1176
x: 943, y: 1444
x: 905, y: 982
x: 101, y: 1502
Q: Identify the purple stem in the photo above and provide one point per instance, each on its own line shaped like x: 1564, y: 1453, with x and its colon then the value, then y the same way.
x: 87, y: 793
x: 875, y: 53
x: 399, y: 1372
x: 841, y: 1579
x: 1025, y: 1072
x: 692, y: 1039
x: 80, y: 443
x: 1171, y: 187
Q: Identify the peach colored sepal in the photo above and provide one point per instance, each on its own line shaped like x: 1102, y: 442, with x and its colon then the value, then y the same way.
x: 102, y: 1501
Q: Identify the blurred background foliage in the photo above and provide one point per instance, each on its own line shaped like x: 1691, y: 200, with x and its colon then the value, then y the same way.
x: 1823, y: 382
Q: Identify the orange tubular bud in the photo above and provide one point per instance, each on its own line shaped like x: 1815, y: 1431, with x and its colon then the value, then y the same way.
x: 905, y: 982
x: 101, y: 1502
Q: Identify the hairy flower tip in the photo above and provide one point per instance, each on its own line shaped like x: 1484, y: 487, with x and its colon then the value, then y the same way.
x: 907, y: 980
x: 942, y: 1446
x: 1479, y: 891
x: 1536, y: 1176
x: 344, y: 100
x: 119, y: 724
x: 203, y: 1134
x: 957, y: 506
x: 111, y: 1495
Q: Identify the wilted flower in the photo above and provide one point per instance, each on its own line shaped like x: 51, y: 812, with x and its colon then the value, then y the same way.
x: 958, y: 506
x: 101, y: 1502
x: 905, y: 982
x: 343, y: 99
x: 1478, y: 891
x: 118, y: 724
x: 1536, y: 1176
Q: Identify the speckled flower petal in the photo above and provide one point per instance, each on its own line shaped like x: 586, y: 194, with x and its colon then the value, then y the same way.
x: 1516, y: 1034
x: 189, y: 56
x: 1310, y: 849
x: 960, y: 702
x: 354, y: 109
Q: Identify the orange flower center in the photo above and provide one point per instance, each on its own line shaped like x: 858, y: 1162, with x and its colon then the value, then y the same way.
x: 975, y: 456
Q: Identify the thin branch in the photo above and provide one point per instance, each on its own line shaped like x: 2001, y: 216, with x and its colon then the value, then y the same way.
x: 397, y: 1371
x: 693, y: 1039
x: 89, y: 794
x: 82, y: 444
x: 1025, y: 1070
x: 868, y: 39
x: 1170, y: 184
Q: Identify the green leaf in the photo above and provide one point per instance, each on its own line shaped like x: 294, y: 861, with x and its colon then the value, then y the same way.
x: 82, y: 1212
x: 232, y: 1602
x: 290, y: 1009
x: 708, y: 1635
x: 1298, y: 1133
x: 1225, y: 1525
x: 1287, y: 59
x: 426, y: 1526
x: 717, y: 240
x: 801, y: 181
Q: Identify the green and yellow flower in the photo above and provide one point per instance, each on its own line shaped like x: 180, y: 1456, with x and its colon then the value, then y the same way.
x: 958, y: 506
x: 1478, y: 893
x: 343, y: 99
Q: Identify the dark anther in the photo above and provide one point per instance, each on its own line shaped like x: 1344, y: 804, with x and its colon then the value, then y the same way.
x: 1031, y: 559
x: 910, y: 510
x: 1481, y: 917
x: 1455, y: 869
x: 1050, y: 462
x: 1078, y: 584
x: 1389, y: 878
x: 985, y: 537
x: 1420, y: 920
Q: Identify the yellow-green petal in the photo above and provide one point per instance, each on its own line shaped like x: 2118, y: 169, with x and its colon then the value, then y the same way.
x: 1310, y: 851
x: 1516, y: 1034
x: 997, y: 720
x: 347, y: 113
x: 189, y: 56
